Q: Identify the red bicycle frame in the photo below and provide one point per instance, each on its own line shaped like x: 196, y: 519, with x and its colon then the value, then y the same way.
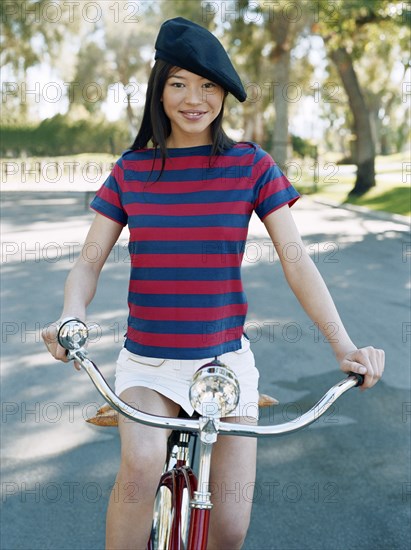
x: 175, y: 481
x: 179, y: 478
x: 198, y: 535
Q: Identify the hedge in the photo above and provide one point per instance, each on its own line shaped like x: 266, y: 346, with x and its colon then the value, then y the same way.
x: 56, y: 136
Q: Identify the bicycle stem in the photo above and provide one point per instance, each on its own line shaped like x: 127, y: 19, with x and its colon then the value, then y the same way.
x: 200, y: 503
x: 202, y: 497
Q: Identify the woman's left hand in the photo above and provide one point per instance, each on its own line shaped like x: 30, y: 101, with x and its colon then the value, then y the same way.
x: 366, y: 361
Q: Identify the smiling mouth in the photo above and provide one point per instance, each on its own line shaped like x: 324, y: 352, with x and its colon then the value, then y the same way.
x: 193, y: 115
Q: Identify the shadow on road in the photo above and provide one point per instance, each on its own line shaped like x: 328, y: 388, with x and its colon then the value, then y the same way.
x: 341, y: 484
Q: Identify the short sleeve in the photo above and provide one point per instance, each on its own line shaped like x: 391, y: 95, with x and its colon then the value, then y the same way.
x: 108, y: 198
x: 272, y: 189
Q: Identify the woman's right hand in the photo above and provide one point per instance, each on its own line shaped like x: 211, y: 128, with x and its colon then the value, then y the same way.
x: 49, y: 335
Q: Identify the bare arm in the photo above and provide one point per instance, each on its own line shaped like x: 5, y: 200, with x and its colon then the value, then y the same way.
x: 311, y: 291
x: 82, y: 280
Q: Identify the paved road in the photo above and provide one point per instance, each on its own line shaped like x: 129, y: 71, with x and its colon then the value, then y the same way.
x: 342, y: 484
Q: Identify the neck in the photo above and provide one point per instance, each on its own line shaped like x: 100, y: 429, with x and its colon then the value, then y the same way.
x: 180, y: 141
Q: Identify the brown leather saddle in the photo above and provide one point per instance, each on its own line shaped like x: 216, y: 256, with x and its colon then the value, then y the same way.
x: 107, y: 416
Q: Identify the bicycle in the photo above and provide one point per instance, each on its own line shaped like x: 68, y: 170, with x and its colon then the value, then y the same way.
x: 183, y: 502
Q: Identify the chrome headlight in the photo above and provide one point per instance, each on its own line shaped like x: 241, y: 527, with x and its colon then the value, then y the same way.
x: 214, y: 390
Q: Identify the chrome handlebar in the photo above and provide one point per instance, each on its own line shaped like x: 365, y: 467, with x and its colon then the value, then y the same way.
x: 72, y: 335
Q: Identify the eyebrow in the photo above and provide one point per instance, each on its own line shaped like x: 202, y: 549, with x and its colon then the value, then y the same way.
x: 184, y: 78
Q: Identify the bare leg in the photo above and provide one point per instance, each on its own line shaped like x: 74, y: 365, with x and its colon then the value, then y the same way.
x: 232, y: 479
x: 143, y: 451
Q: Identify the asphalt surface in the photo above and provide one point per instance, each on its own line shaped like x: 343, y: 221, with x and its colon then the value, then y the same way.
x: 343, y: 484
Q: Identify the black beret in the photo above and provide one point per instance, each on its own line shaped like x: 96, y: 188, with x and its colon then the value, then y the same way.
x: 189, y: 46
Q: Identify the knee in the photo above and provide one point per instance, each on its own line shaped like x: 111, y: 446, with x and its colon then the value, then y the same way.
x: 142, y: 464
x: 231, y: 536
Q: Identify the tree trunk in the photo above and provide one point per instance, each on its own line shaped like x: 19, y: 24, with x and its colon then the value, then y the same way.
x: 253, y: 122
x: 364, y: 147
x: 131, y: 117
x: 248, y: 123
x: 280, y: 57
x: 281, y: 81
x: 284, y: 31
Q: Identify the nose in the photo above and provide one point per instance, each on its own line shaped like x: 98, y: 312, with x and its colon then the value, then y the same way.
x: 194, y: 96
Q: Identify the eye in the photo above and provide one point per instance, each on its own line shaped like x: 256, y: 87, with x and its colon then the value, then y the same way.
x: 209, y: 85
x: 177, y: 84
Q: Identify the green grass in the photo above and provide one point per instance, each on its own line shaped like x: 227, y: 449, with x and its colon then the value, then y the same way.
x: 396, y: 200
x: 392, y: 192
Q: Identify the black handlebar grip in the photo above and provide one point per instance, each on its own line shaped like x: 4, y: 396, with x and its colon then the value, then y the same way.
x: 359, y: 377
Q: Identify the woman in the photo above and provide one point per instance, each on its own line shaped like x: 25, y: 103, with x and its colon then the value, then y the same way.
x: 187, y: 202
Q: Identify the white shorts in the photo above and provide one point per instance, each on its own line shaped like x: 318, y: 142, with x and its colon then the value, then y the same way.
x: 172, y: 377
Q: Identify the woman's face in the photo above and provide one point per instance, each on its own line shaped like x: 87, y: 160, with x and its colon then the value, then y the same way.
x: 191, y: 102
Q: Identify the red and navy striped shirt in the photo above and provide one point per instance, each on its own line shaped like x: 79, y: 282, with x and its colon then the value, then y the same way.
x: 188, y: 230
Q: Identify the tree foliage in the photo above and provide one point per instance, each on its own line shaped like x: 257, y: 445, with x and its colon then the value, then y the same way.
x: 271, y: 44
x: 27, y: 36
x: 348, y: 28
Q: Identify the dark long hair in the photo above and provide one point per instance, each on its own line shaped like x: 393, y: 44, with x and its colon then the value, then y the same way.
x: 155, y: 125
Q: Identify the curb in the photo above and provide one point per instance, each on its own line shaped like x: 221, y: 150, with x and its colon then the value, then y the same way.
x: 398, y: 218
